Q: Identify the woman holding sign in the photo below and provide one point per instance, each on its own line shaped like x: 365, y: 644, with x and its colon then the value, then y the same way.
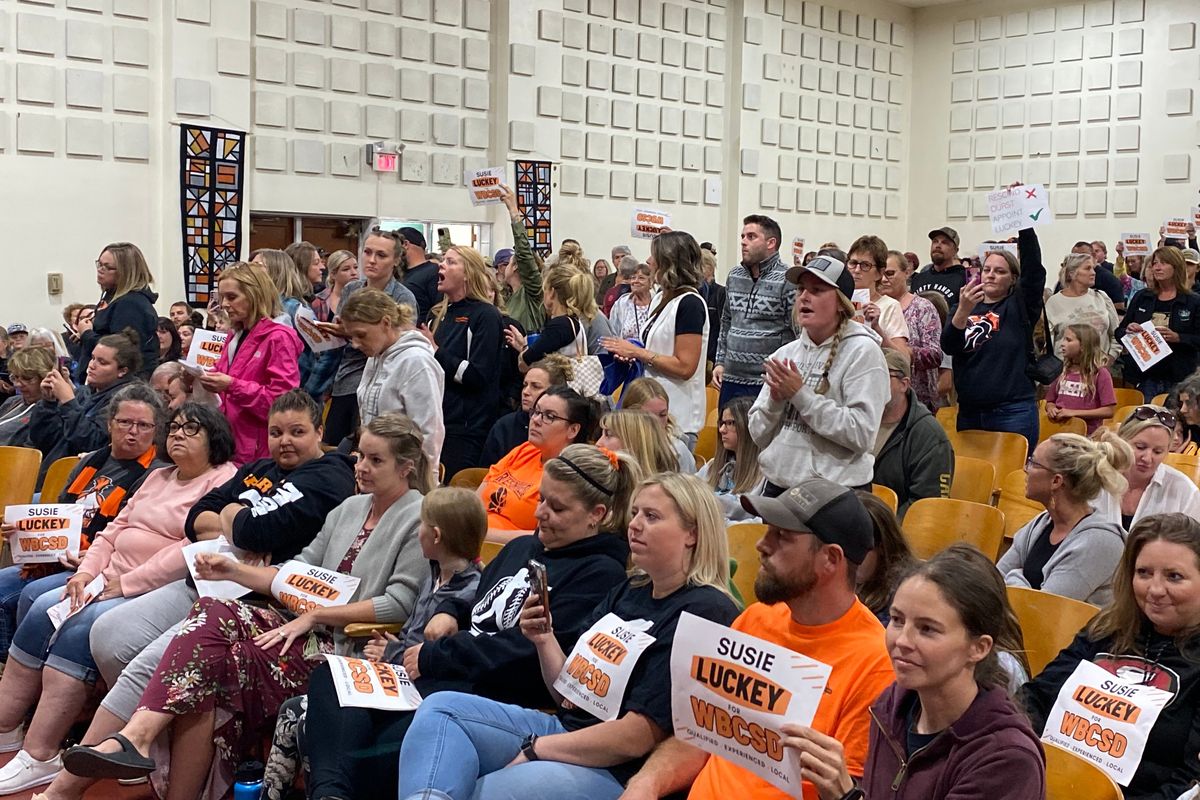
x: 1171, y: 309
x: 614, y: 688
x: 1146, y: 639
x: 242, y: 661
x: 50, y: 665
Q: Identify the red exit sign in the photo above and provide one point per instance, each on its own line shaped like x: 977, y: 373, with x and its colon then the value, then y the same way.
x: 387, y: 162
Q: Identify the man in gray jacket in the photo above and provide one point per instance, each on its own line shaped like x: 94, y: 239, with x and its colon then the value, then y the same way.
x: 913, y: 456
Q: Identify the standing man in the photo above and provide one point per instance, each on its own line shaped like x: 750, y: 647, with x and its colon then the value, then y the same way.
x: 610, y: 280
x: 1100, y: 255
x: 757, y: 316
x: 944, y: 274
x: 420, y: 276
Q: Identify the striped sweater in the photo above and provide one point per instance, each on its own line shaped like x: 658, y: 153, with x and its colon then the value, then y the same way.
x: 755, y: 321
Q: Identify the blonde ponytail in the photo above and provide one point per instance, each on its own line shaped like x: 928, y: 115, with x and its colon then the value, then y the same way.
x: 1091, y: 466
x: 823, y: 385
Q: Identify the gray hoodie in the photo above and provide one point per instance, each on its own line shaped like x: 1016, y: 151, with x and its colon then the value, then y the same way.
x: 406, y: 378
x: 1081, y: 568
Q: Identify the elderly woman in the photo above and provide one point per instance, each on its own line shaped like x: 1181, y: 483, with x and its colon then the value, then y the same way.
x: 139, y: 551
x: 126, y: 301
x: 631, y: 311
x: 27, y: 367
x: 1079, y: 302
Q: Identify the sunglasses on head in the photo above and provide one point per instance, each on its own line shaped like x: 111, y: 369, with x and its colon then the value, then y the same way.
x: 1167, y: 418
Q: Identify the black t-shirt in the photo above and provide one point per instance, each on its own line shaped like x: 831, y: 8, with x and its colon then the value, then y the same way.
x: 649, y: 689
x: 948, y: 283
x: 557, y: 333
x: 915, y: 741
x: 1040, y: 552
x: 691, y: 315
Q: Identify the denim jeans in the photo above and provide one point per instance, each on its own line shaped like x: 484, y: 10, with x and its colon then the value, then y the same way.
x: 459, y: 746
x: 1152, y: 388
x: 17, y: 595
x: 731, y: 390
x: 37, y: 644
x: 1020, y: 416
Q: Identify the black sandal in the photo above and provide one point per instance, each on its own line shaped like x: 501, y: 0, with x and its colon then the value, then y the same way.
x: 87, y: 762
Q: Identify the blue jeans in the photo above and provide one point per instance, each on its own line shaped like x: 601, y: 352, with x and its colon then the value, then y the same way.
x: 459, y: 746
x: 17, y: 595
x: 1021, y: 417
x: 1152, y: 388
x: 730, y: 390
x: 35, y: 644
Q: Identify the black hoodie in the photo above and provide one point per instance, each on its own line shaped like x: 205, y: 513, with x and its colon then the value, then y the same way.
x: 493, y: 658
x: 132, y: 310
x: 285, y: 509
x: 77, y: 426
x: 470, y: 343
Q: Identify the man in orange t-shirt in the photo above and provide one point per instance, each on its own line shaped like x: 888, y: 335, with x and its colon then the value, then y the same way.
x: 817, y: 535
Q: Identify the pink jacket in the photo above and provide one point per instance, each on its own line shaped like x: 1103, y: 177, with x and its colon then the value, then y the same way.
x: 265, y: 365
x: 143, y: 545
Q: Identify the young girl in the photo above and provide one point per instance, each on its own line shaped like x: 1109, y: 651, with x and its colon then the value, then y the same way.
x: 453, y: 524
x: 734, y: 470
x: 647, y: 394
x: 1085, y: 387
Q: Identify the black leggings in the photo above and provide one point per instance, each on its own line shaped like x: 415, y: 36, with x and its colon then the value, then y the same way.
x: 350, y: 750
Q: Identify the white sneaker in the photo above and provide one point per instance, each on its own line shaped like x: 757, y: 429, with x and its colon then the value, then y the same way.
x: 25, y: 772
x: 12, y: 740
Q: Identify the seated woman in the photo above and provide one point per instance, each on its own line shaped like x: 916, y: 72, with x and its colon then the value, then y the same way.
x: 167, y: 379
x: 883, y: 567
x: 560, y: 417
x: 734, y: 470
x: 170, y: 346
x: 1153, y: 487
x: 582, y: 517
x: 27, y: 368
x: 401, y: 374
x: 1069, y: 549
x: 102, y: 482
x: 223, y: 664
x: 512, y: 429
x: 1147, y: 635
x: 138, y: 551
x: 639, y: 434
x: 453, y: 524
x: 949, y: 619
x: 647, y: 394
x: 680, y: 563
x: 68, y: 421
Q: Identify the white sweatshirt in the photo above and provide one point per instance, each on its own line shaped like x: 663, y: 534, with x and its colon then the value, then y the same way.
x: 406, y: 378
x: 827, y: 436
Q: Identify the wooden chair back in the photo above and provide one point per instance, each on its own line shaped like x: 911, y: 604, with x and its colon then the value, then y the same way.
x: 56, y: 478
x: 1069, y: 777
x: 743, y: 548
x: 706, y: 443
x: 887, y: 495
x: 1049, y: 622
x: 1017, y: 508
x: 469, y: 478
x: 1189, y: 465
x: 1007, y: 451
x: 1129, y: 397
x: 934, y: 523
x: 1049, y: 427
x: 489, y: 551
x: 974, y: 480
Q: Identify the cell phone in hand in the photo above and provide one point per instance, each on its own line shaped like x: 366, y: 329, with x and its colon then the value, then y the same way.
x: 539, y: 582
x: 972, y: 274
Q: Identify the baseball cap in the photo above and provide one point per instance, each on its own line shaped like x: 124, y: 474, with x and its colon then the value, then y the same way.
x: 897, y: 362
x: 413, y: 236
x: 831, y: 512
x: 503, y: 256
x: 1191, y: 256
x: 828, y: 269
x: 17, y: 328
x: 948, y: 232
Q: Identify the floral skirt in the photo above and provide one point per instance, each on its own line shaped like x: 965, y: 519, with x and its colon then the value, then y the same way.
x: 212, y: 664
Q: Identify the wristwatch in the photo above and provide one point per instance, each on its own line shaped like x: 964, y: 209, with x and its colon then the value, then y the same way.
x: 854, y: 794
x: 530, y: 755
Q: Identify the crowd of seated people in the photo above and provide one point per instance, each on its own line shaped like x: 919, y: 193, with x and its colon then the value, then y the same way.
x: 492, y: 509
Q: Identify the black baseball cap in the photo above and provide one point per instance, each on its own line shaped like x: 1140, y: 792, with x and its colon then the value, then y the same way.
x: 829, y: 511
x: 413, y: 236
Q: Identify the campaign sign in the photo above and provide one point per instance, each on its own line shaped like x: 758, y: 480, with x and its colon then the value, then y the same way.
x: 205, y: 350
x: 223, y: 590
x: 317, y: 339
x: 303, y: 587
x: 1019, y: 208
x: 647, y: 223
x: 596, y: 673
x: 1176, y: 227
x: 732, y: 692
x: 1147, y: 347
x: 45, y: 532
x: 61, y: 612
x: 370, y: 684
x: 1105, y: 719
x: 798, y: 251
x: 1135, y: 244
x: 989, y: 247
x: 484, y: 185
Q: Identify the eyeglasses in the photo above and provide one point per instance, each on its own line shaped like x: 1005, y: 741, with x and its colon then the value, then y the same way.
x: 725, y: 423
x: 105, y: 267
x: 1030, y: 463
x: 190, y: 428
x: 133, y: 425
x: 860, y: 266
x: 1146, y: 412
x: 897, y: 374
x: 548, y: 416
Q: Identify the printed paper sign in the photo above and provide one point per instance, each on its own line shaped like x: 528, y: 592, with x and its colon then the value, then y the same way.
x: 731, y: 692
x: 1196, y: 216
x: 647, y: 223
x: 1105, y: 719
x: 1019, y: 208
x: 224, y: 590
x: 369, y: 684
x: 1135, y: 244
x: 205, y: 350
x: 303, y: 587
x: 1147, y: 347
x: 798, y: 251
x: 484, y: 185
x: 860, y: 299
x: 318, y: 340
x: 1176, y: 227
x: 61, y: 612
x: 45, y: 532
x: 596, y: 674
x: 989, y: 247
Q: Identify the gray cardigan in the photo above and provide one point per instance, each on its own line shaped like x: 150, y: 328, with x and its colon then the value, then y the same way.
x: 390, y: 564
x: 1081, y: 568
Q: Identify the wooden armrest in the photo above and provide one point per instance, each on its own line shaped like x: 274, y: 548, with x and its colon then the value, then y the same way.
x: 362, y: 630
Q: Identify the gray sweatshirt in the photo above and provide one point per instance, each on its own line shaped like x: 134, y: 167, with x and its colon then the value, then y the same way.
x: 1081, y: 568
x: 406, y: 378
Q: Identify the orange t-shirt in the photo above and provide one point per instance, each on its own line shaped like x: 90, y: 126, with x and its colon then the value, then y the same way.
x: 854, y: 646
x: 510, y: 489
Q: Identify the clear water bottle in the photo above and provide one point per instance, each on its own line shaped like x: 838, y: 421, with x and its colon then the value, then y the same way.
x: 248, y: 781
